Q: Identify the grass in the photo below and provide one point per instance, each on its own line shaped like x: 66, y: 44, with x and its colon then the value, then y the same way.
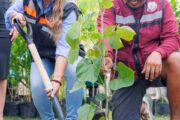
x: 17, y: 118
x: 161, y: 118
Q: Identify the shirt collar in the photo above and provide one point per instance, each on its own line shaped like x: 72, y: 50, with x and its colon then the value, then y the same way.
x: 47, y: 9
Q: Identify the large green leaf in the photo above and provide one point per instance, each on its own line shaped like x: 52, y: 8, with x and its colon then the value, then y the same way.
x: 77, y: 85
x: 73, y: 34
x: 73, y: 55
x: 86, y: 112
x: 100, y: 97
x: 88, y: 70
x: 114, y: 41
x: 126, y: 32
x: 109, y: 31
x: 125, y: 77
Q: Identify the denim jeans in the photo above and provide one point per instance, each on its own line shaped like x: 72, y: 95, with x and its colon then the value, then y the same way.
x: 42, y: 104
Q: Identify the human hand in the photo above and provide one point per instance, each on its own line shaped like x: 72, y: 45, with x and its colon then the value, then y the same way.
x: 14, y: 33
x: 153, y: 66
x: 20, y: 17
x: 56, y: 85
x: 107, y: 65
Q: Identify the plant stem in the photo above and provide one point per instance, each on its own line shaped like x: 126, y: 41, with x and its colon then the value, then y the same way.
x: 115, y: 62
x: 92, y: 89
x: 103, y: 56
x: 107, y: 79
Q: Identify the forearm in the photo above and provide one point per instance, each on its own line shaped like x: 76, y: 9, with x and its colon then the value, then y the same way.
x: 168, y: 46
x: 60, y: 66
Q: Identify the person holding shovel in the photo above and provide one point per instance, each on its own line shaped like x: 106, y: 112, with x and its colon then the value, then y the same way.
x: 5, y: 45
x: 50, y: 21
x: 152, y: 53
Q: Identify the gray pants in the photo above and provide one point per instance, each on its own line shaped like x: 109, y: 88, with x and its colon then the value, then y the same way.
x: 126, y: 102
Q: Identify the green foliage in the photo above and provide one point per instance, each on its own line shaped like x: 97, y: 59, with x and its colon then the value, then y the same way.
x: 19, y: 68
x: 176, y: 8
x: 114, y: 41
x: 86, y: 112
x: 19, y: 62
x: 125, y: 77
x: 88, y: 70
x: 93, y: 53
x: 72, y: 38
x: 73, y: 55
x: 100, y: 97
x: 73, y: 35
x: 77, y: 85
x: 126, y: 33
x: 105, y: 4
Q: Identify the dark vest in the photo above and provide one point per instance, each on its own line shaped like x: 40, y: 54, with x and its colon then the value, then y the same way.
x: 42, y: 35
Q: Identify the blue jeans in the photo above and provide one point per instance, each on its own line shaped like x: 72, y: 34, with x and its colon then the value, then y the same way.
x: 43, y: 105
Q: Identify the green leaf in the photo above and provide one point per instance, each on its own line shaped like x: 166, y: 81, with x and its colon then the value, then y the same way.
x: 114, y: 41
x: 77, y: 85
x: 73, y: 35
x: 106, y: 4
x: 83, y: 6
x: 88, y: 70
x: 103, y: 118
x: 173, y: 3
x: 93, y: 53
x: 86, y: 112
x: 100, y: 97
x: 73, y: 55
x: 109, y: 31
x: 125, y: 77
x: 95, y: 35
x: 126, y: 33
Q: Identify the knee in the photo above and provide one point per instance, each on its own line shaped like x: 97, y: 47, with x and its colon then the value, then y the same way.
x: 173, y: 60
x: 36, y: 86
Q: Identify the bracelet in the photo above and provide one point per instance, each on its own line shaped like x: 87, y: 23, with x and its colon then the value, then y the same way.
x: 57, y: 81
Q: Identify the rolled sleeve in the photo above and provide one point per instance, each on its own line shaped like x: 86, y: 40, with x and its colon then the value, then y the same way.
x: 62, y: 48
x: 16, y: 7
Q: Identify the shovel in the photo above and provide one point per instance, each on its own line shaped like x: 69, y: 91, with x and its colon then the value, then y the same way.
x: 35, y: 55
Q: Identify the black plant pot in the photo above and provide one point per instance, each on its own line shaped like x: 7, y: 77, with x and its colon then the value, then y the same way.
x: 161, y: 108
x: 27, y: 110
x: 11, y: 108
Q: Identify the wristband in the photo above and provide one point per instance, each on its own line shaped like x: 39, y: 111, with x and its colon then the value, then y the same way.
x: 57, y: 81
x: 58, y: 77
